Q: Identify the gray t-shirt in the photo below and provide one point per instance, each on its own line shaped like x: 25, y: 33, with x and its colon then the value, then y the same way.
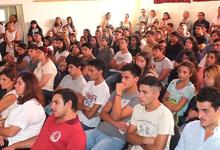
x: 76, y: 85
x: 109, y: 129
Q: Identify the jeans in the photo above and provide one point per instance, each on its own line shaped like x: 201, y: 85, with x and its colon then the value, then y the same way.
x: 96, y: 140
x: 48, y: 96
x: 85, y: 127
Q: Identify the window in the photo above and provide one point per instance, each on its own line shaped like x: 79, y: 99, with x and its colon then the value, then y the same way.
x: 2, y: 15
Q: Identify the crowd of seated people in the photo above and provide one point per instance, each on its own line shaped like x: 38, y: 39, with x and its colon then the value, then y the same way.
x: 153, y: 87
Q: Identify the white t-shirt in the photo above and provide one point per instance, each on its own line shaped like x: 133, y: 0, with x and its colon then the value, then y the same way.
x: 121, y: 58
x: 150, y: 124
x: 143, y: 43
x: 18, y: 27
x: 41, y: 43
x: 29, y: 117
x: 10, y: 37
x: 63, y: 53
x: 160, y: 65
x: 94, y: 94
x: 76, y: 85
x: 7, y: 111
x: 51, y: 48
x: 151, y: 20
x: 48, y: 68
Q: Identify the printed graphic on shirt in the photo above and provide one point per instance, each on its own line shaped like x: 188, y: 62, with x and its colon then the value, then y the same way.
x: 55, y: 136
x: 172, y: 100
x: 90, y: 99
x: 120, y: 58
x: 146, y: 128
x: 124, y: 102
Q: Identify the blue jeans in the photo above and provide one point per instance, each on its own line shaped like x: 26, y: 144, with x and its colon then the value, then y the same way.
x: 47, y: 109
x: 96, y: 140
x: 48, y: 96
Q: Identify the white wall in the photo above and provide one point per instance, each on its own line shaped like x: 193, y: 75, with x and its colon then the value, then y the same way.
x: 88, y: 13
x: 176, y: 9
x: 85, y: 14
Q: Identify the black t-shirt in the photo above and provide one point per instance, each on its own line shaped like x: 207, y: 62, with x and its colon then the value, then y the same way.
x: 202, y: 39
x: 172, y: 51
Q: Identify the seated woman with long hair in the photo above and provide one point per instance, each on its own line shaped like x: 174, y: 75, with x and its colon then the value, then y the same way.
x: 213, y: 57
x: 26, y: 120
x: 180, y: 91
x: 143, y: 60
x: 9, y: 101
x: 212, y: 76
x: 46, y: 72
x: 34, y: 27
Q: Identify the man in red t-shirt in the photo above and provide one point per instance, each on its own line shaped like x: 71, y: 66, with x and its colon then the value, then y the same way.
x: 62, y: 130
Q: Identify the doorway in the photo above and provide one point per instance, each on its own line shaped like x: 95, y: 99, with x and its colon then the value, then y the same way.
x: 7, y: 10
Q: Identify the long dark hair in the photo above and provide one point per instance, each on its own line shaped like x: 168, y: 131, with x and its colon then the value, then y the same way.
x: 193, y: 71
x: 217, y: 56
x: 31, y: 90
x: 71, y: 24
x: 147, y: 56
x: 10, y: 72
x: 35, y: 22
x: 191, y: 56
x: 166, y: 13
x: 56, y: 24
x: 194, y: 44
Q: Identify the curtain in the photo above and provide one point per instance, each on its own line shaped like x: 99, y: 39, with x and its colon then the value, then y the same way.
x: 204, y: 0
x: 171, y: 1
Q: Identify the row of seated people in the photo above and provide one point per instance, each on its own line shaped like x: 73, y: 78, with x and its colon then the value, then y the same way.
x: 123, y: 50
x: 133, y: 108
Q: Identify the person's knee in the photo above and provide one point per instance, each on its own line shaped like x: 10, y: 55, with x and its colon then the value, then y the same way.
x: 90, y: 139
x: 108, y: 143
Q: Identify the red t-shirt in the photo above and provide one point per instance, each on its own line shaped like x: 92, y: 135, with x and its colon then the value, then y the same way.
x: 67, y: 135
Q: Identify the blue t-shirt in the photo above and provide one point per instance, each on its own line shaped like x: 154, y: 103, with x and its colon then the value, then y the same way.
x: 177, y: 94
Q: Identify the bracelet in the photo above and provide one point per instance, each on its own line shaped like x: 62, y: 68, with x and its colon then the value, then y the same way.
x: 118, y: 95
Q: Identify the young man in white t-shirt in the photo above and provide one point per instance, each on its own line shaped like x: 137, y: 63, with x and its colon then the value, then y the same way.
x: 120, y: 59
x: 94, y: 96
x: 74, y: 80
x: 152, y: 123
x: 116, y: 114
